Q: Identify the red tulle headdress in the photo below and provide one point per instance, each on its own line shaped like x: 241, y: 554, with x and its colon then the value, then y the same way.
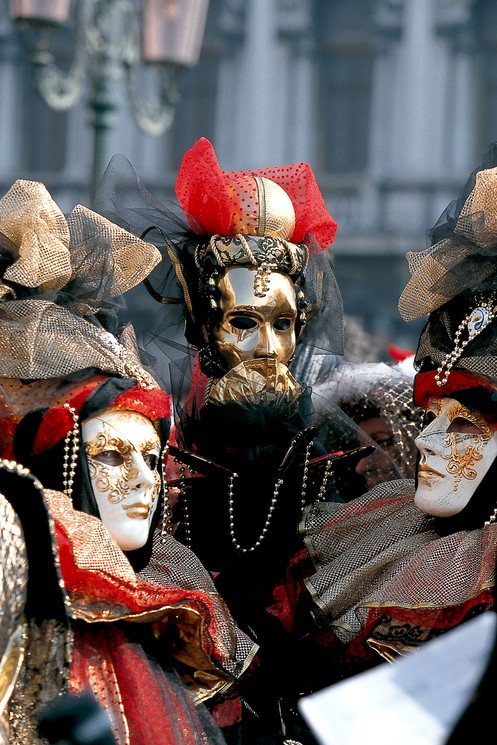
x: 215, y: 200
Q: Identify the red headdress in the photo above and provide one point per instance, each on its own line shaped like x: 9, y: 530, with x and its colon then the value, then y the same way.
x: 213, y: 199
x: 154, y: 403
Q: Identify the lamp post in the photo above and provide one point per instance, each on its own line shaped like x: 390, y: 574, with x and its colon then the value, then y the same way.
x: 113, y: 38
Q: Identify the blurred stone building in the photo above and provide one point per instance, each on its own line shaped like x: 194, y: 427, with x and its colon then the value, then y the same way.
x: 392, y: 102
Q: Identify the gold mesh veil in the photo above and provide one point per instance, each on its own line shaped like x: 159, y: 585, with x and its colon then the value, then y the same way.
x: 62, y: 278
x: 457, y: 275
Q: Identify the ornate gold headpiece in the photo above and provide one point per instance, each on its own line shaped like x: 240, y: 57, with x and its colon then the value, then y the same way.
x: 263, y: 254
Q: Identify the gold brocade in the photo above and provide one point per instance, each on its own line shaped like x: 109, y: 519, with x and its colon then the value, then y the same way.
x: 43, y: 676
x: 10, y: 664
x: 189, y: 624
x: 253, y: 251
x: 34, y: 653
x: 13, y: 595
x: 259, y: 380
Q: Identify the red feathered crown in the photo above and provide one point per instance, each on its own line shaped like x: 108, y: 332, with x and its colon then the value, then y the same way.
x: 227, y: 203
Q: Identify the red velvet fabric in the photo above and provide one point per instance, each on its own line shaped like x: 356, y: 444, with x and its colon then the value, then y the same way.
x: 425, y: 385
x: 58, y: 421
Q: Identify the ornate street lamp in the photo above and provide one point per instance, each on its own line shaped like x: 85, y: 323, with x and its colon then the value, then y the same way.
x: 112, y: 38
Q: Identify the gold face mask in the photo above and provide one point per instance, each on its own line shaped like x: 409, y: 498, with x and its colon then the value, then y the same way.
x: 255, y: 327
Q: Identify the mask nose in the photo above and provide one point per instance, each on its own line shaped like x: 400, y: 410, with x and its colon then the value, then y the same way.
x: 426, y: 444
x: 144, y: 477
x: 267, y: 345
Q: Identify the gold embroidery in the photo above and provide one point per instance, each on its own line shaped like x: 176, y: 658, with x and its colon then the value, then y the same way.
x: 460, y: 464
x: 114, y: 479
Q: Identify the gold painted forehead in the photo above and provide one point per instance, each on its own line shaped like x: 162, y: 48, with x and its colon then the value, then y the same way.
x: 236, y: 289
x: 453, y: 409
x: 122, y: 424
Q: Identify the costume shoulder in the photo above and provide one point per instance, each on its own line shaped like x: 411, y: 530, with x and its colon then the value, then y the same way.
x: 34, y: 633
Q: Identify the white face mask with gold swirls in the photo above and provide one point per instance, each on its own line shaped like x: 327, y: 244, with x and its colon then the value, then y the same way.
x: 123, y: 452
x: 457, y: 447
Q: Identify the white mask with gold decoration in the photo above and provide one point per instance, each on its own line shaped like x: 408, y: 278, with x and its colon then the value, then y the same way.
x: 123, y: 452
x: 457, y: 448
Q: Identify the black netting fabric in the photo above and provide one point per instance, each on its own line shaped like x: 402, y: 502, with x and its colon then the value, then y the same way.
x: 455, y: 276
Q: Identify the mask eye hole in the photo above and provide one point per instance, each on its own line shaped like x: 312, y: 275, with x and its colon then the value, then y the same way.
x: 283, y: 324
x: 463, y: 426
x: 242, y: 323
x: 109, y: 458
x: 152, y: 460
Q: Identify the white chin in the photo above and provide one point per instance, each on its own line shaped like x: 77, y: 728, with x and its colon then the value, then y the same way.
x: 130, y: 543
x: 431, y: 506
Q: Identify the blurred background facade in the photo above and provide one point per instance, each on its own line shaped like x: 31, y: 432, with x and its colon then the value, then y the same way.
x: 392, y: 102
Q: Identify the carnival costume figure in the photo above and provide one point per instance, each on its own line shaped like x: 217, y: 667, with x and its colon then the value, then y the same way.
x: 412, y: 559
x: 151, y: 637
x: 35, y: 638
x: 244, y: 284
x: 378, y: 397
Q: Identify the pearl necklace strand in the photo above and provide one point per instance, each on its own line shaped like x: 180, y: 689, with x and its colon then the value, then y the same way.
x: 231, y: 505
x: 474, y: 322
x: 71, y: 449
x: 279, y: 483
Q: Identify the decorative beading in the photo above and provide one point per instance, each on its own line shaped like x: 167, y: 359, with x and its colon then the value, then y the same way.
x: 71, y: 450
x: 474, y: 322
x: 166, y: 522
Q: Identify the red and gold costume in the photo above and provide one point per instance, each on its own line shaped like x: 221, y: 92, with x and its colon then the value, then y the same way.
x: 385, y: 581
x: 149, y: 634
x: 121, y: 619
